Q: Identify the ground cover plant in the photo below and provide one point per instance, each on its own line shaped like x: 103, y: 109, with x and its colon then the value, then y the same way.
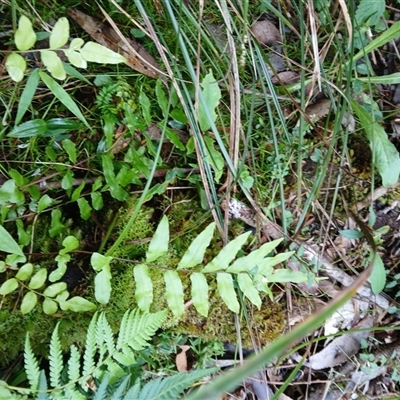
x: 199, y: 173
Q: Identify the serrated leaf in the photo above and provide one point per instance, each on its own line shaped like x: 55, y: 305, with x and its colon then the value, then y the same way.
x: 16, y: 66
x: 8, y: 286
x: 94, y: 52
x: 174, y: 292
x: 199, y: 293
x: 28, y: 302
x: 8, y: 244
x: 25, y: 36
x: 98, y: 261
x: 102, y: 285
x: 247, y: 263
x: 25, y: 100
x: 144, y: 287
x: 227, y: 254
x: 227, y: 291
x: 97, y: 200
x: 78, y: 304
x: 159, y: 243
x: 25, y: 272
x: 369, y: 12
x: 38, y: 280
x: 212, y: 96
x: 378, y: 275
x: 56, y: 225
x: 60, y: 34
x: 246, y: 285
x: 55, y: 289
x: 49, y: 306
x: 63, y: 96
x: 385, y: 155
x: 195, y: 253
x: 53, y: 63
x: 85, y: 210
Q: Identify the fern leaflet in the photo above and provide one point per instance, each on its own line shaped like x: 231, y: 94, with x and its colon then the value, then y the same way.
x: 90, y: 348
x: 74, y: 364
x: 31, y: 365
x: 56, y: 358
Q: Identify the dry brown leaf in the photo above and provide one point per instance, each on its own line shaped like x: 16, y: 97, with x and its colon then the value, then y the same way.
x: 266, y: 33
x: 318, y: 110
x: 181, y: 359
x: 286, y: 78
x: 137, y: 57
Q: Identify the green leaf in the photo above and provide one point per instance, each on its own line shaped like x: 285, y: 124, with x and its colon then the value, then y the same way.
x: 78, y: 304
x: 60, y: 34
x: 97, y: 200
x: 53, y: 63
x: 63, y: 96
x: 94, y: 52
x: 385, y: 155
x: 73, y: 55
x: 227, y: 254
x: 265, y: 266
x: 378, y: 275
x: 390, y: 79
x: 162, y: 100
x: 388, y: 35
x: 246, y: 285
x: 369, y: 12
x: 351, y: 233
x: 199, y: 293
x: 50, y: 307
x: 28, y: 302
x: 59, y: 272
x: 16, y: 66
x: 67, y: 180
x: 84, y: 208
x: 25, y: 36
x: 195, y: 253
x: 8, y: 286
x: 25, y: 272
x: 25, y: 100
x: 8, y: 244
x: 144, y: 287
x: 284, y: 275
x: 34, y: 127
x: 38, y: 280
x: 56, y: 225
x: 102, y: 285
x: 44, y: 202
x: 247, y: 263
x: 98, y: 261
x: 227, y: 291
x: 144, y: 101
x: 212, y: 96
x: 214, y: 158
x: 159, y: 242
x: 70, y: 243
x: 174, y: 292
x: 70, y: 148
x: 55, y: 289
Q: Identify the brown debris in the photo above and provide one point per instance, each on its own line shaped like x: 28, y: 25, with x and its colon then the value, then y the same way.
x: 266, y: 33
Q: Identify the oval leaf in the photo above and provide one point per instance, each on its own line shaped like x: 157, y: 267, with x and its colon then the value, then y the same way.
x: 8, y: 244
x: 144, y: 287
x: 60, y: 34
x: 8, y: 286
x: 38, y: 279
x: 49, y: 306
x: 378, y: 275
x: 78, y: 304
x: 195, y: 253
x: 247, y: 287
x: 99, y: 261
x: 28, y: 302
x: 159, y: 243
x: 102, y: 285
x: 25, y: 36
x: 55, y: 289
x: 174, y: 292
x: 97, y: 53
x: 227, y: 291
x: 199, y: 293
x: 16, y: 66
x: 25, y: 272
x: 53, y: 63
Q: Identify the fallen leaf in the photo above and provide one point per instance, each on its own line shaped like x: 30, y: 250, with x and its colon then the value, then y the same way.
x: 266, y: 33
x: 136, y: 56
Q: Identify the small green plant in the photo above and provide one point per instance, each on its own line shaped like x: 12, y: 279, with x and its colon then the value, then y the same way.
x: 105, y: 368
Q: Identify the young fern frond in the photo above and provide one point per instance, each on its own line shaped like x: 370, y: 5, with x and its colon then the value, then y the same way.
x: 74, y: 364
x: 55, y: 358
x: 31, y: 365
x: 90, y: 348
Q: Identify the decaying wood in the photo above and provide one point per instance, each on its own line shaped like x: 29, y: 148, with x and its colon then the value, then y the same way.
x: 137, y: 57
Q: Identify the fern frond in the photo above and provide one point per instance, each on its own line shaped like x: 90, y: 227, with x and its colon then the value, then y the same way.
x: 133, y: 392
x: 172, y: 386
x: 125, y: 328
x: 90, y: 347
x: 31, y: 364
x: 101, y: 391
x: 116, y: 372
x: 125, y: 356
x: 72, y: 394
x: 144, y: 327
x: 74, y: 364
x: 108, y: 338
x: 42, y: 395
x: 55, y: 358
x: 119, y: 391
x: 100, y: 342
